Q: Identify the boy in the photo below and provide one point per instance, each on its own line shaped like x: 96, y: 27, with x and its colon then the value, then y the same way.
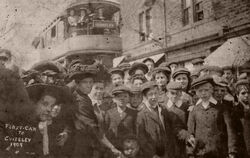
x: 120, y: 120
x: 210, y: 123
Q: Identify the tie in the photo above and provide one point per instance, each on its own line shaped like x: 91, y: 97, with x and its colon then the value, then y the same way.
x: 43, y: 126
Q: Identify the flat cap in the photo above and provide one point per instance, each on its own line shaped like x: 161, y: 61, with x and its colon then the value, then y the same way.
x: 148, y: 59
x: 197, y: 61
x: 80, y: 71
x: 241, y: 82
x: 135, y: 90
x: 116, y: 70
x: 148, y: 85
x: 179, y: 71
x: 136, y: 66
x: 202, y: 80
x: 138, y: 76
x: 120, y: 89
x: 124, y: 66
x: 174, y: 86
x: 165, y: 70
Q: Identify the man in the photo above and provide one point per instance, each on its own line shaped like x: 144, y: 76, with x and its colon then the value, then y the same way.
x: 136, y: 99
x: 86, y: 122
x: 151, y: 65
x: 156, y: 127
x: 210, y: 123
x: 117, y: 76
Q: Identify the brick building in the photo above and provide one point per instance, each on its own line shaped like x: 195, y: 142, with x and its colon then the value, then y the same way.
x: 180, y: 30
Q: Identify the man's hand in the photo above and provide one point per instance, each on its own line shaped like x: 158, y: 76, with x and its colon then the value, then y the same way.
x: 62, y: 138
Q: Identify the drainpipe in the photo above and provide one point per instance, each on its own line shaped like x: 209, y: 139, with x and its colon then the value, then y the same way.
x: 165, y: 27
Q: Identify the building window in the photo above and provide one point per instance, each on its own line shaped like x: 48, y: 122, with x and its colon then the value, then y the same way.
x: 198, y: 10
x: 53, y: 32
x: 145, y: 24
x: 148, y: 22
x: 186, y: 11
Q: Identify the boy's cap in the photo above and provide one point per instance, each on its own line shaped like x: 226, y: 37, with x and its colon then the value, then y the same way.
x: 124, y: 66
x: 148, y: 85
x: 120, y: 89
x: 174, y: 86
x: 165, y: 70
x: 202, y: 80
x: 135, y: 90
x: 197, y: 61
x: 179, y: 71
x: 241, y: 82
x: 116, y: 70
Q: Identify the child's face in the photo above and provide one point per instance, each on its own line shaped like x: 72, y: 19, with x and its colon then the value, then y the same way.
x: 174, y: 95
x: 122, y: 99
x: 130, y: 148
x: 136, y: 100
x: 204, y: 91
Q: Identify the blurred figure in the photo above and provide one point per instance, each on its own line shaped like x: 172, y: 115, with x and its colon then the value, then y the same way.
x: 138, y: 68
x: 125, y: 68
x: 151, y: 65
x: 136, y: 99
x: 131, y: 147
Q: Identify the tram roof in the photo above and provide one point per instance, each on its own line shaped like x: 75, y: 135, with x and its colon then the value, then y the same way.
x: 85, y: 2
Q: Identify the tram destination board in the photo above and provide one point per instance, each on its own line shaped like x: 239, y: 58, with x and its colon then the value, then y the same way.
x: 103, y: 24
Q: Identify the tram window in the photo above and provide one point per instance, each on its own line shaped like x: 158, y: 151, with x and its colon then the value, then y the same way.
x: 53, y: 32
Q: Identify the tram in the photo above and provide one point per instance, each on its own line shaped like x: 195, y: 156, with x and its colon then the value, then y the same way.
x: 88, y: 30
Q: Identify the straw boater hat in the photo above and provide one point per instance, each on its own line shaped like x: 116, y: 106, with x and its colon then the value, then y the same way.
x: 136, y: 66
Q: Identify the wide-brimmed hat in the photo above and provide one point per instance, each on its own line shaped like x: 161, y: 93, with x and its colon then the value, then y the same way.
x: 61, y: 93
x: 179, y: 71
x: 136, y: 66
x: 202, y: 80
x: 77, y: 70
x: 46, y: 66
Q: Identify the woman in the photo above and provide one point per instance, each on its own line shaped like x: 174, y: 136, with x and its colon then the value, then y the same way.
x: 241, y: 115
x: 161, y: 76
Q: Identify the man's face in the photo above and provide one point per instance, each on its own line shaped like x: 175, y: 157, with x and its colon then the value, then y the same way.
x: 174, y: 95
x: 85, y: 85
x: 117, y: 79
x: 173, y: 67
x: 122, y: 99
x: 244, y: 96
x: 183, y: 79
x: 150, y: 65
x: 219, y: 92
x: 139, y: 72
x: 137, y: 82
x: 161, y: 79
x: 45, y: 106
x: 152, y: 97
x: 98, y: 90
x: 228, y: 74
x: 130, y: 148
x: 204, y: 91
x: 136, y: 100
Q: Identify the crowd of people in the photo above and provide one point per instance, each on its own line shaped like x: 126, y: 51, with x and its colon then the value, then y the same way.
x: 129, y: 111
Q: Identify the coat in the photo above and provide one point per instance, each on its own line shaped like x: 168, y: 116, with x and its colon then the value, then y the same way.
x: 116, y: 127
x: 211, y: 127
x: 157, y: 133
x: 242, y: 125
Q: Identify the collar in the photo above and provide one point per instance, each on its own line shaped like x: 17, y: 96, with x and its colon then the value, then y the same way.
x: 95, y: 101
x: 170, y: 103
x: 120, y: 111
x: 211, y: 100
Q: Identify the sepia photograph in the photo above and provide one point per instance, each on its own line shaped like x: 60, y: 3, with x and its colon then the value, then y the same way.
x: 124, y: 78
